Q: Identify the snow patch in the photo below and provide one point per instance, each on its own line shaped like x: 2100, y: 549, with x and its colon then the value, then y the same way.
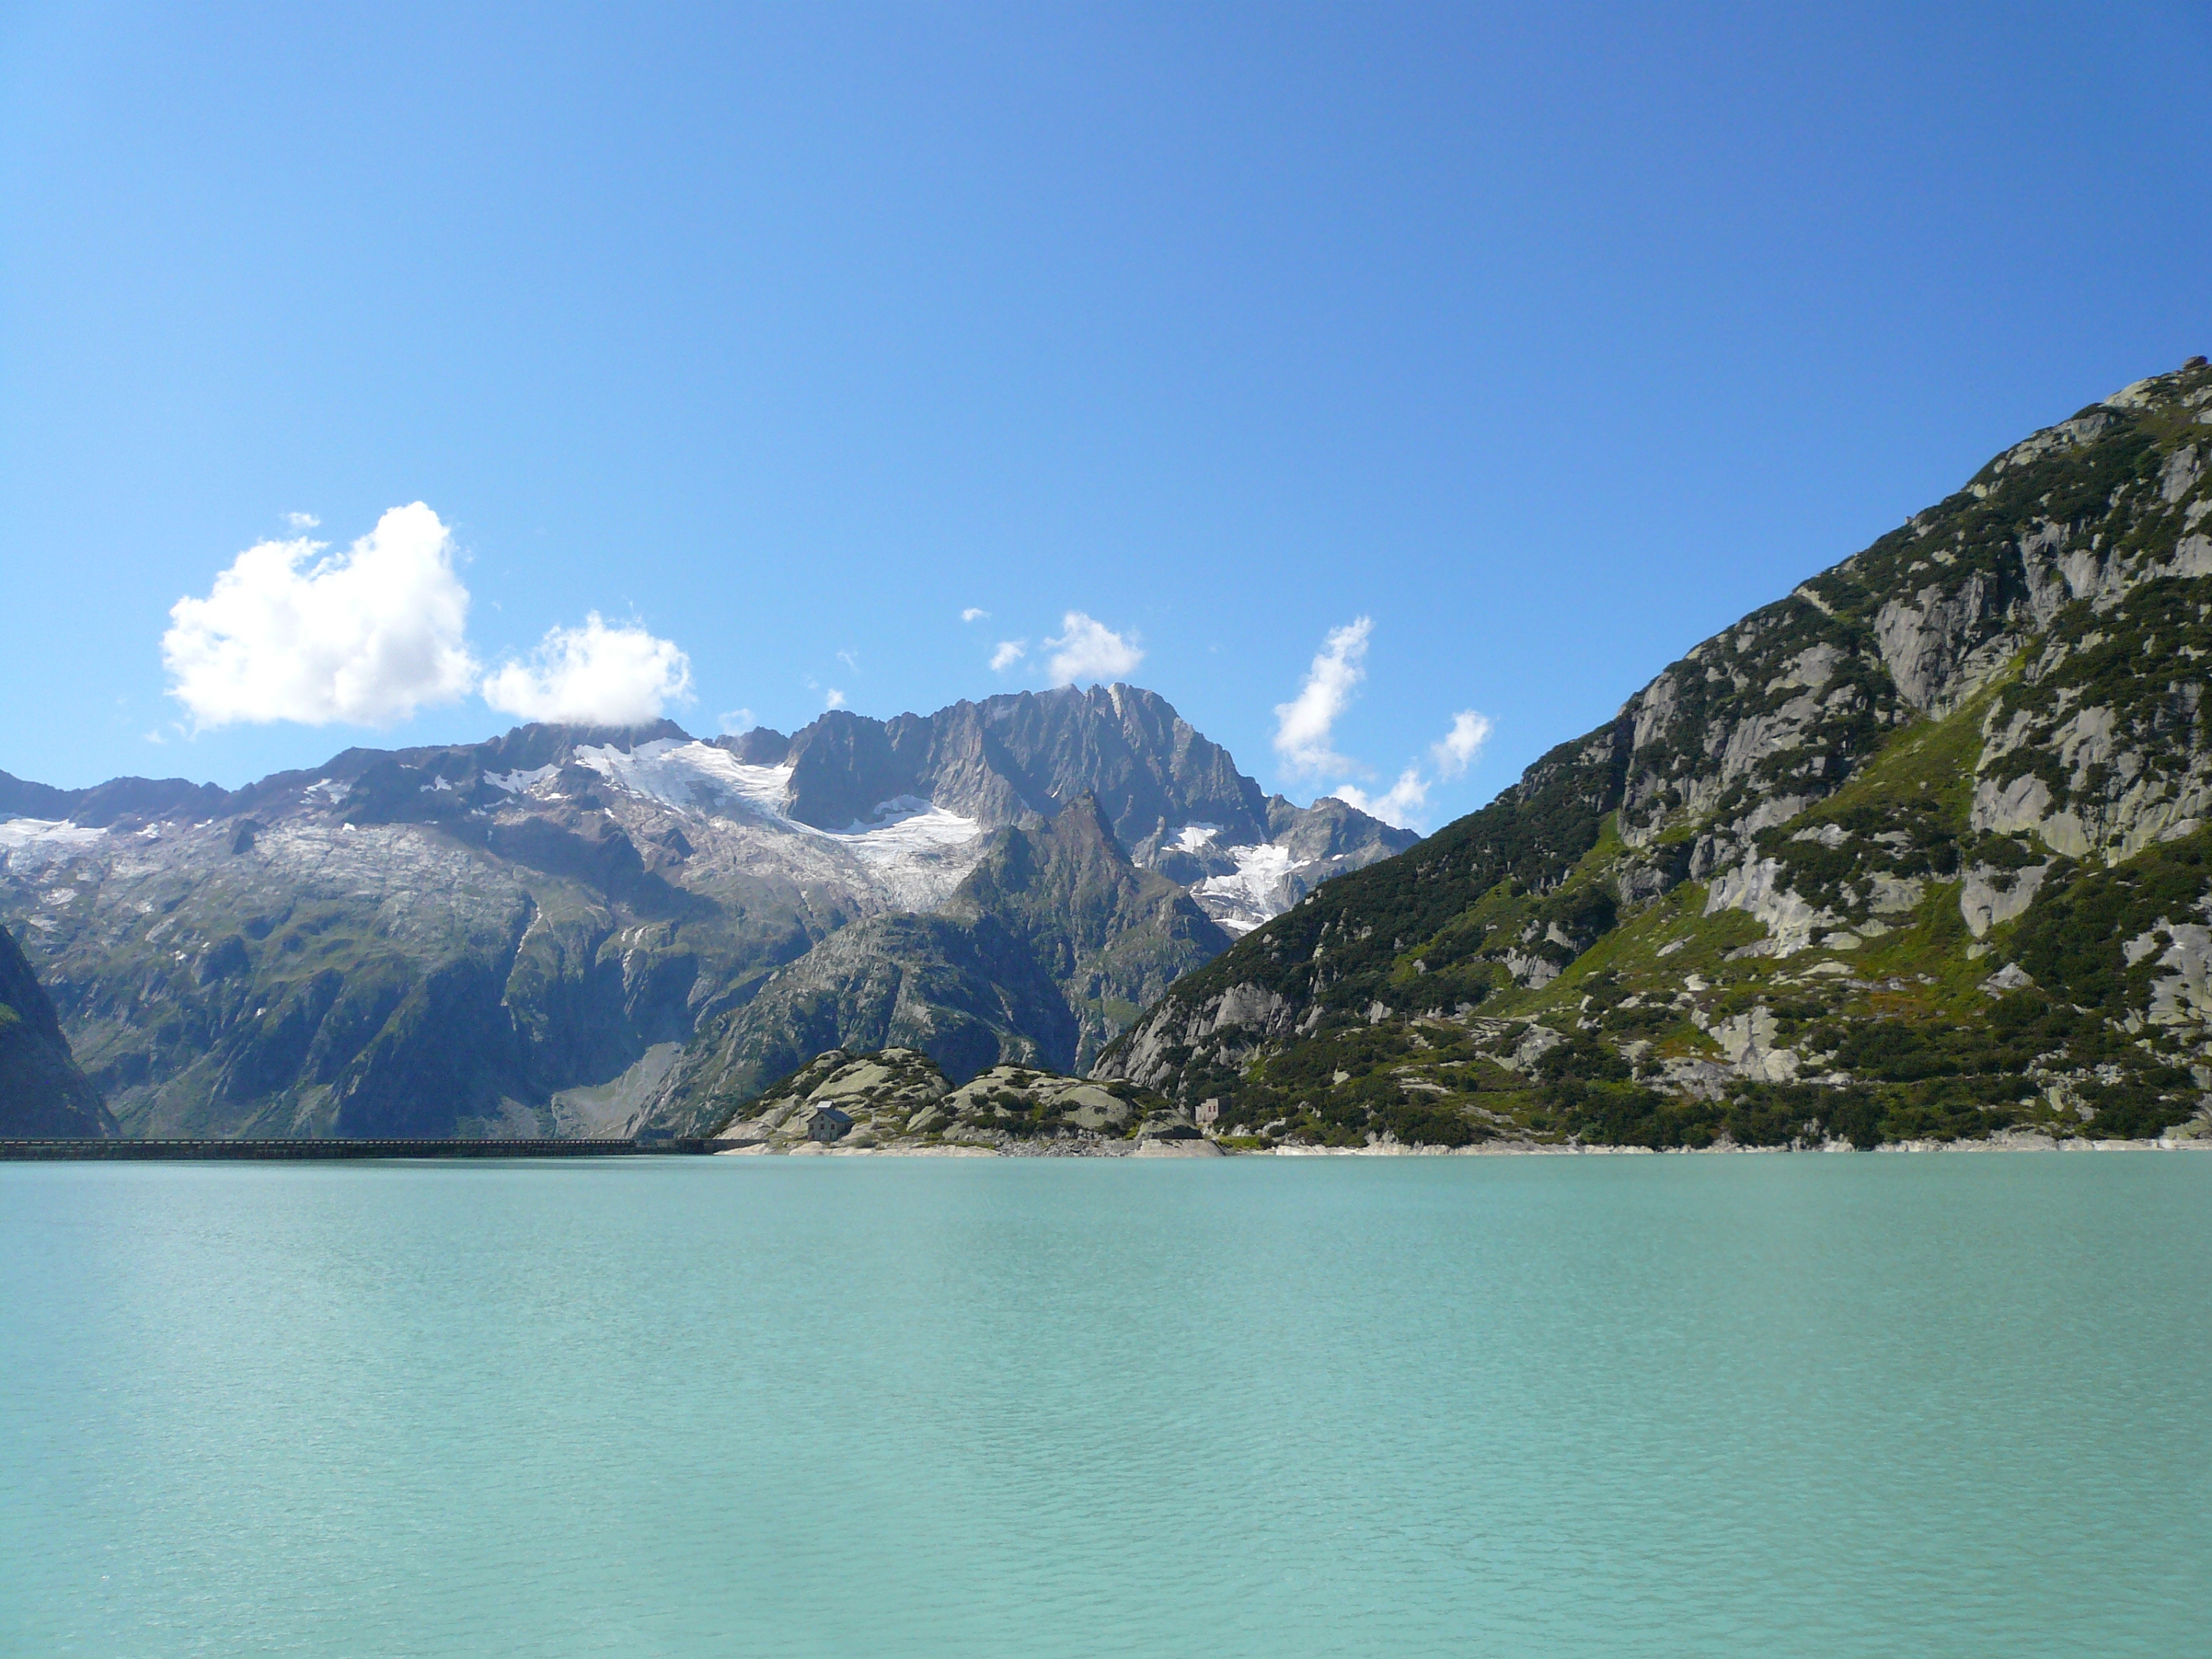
x: 903, y: 828
x: 690, y: 776
x: 1257, y: 892
x: 905, y: 842
x: 26, y: 832
x: 519, y: 782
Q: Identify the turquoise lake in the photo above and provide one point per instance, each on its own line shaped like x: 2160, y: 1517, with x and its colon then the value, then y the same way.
x: 1846, y: 1405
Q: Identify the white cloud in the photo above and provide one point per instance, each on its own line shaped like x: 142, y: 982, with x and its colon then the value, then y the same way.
x: 1303, y: 725
x: 595, y: 675
x: 1402, y: 804
x: 737, y: 722
x: 1460, y: 745
x: 1397, y: 805
x: 1089, y: 650
x: 850, y: 659
x: 302, y: 520
x: 835, y: 700
x: 974, y: 613
x: 366, y: 636
x: 1009, y: 652
x: 1305, y: 728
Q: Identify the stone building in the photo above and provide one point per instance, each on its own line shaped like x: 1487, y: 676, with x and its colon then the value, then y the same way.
x: 826, y: 1123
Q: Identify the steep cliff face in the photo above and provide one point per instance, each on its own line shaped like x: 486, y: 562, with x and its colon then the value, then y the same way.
x: 43, y: 1095
x: 1046, y: 951
x: 1030, y: 753
x: 1916, y: 850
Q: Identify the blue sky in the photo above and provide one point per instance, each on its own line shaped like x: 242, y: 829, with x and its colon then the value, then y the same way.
x: 1546, y: 341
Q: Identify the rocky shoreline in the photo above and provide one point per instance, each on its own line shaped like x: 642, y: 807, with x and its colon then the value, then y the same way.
x: 1006, y: 1146
x: 898, y: 1103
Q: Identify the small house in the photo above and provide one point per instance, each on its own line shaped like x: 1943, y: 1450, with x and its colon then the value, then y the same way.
x: 826, y: 1123
x: 1209, y: 1111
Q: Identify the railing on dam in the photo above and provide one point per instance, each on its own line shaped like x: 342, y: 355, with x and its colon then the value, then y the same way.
x: 184, y: 1150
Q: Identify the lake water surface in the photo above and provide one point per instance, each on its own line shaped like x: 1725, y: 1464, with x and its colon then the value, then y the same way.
x: 1803, y: 1405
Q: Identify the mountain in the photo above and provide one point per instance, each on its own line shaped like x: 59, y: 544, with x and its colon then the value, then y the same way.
x: 1050, y: 947
x: 1918, y: 851
x: 521, y: 936
x: 42, y: 1092
x: 1175, y: 799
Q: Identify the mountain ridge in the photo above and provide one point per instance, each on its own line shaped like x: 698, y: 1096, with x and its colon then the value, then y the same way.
x: 515, y: 937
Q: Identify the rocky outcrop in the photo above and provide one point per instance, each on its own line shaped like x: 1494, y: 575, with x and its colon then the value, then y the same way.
x: 1944, y: 642
x: 1222, y: 1029
x: 874, y: 1094
x: 1989, y: 896
x: 1747, y: 1043
x: 2180, y: 957
x: 1760, y: 888
x: 2107, y: 781
x: 899, y: 1099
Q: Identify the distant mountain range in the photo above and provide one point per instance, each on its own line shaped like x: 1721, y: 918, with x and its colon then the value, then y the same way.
x: 521, y: 936
x: 1919, y: 851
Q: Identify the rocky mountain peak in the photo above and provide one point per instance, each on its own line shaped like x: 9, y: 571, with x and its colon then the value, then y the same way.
x: 762, y: 746
x: 1027, y: 752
